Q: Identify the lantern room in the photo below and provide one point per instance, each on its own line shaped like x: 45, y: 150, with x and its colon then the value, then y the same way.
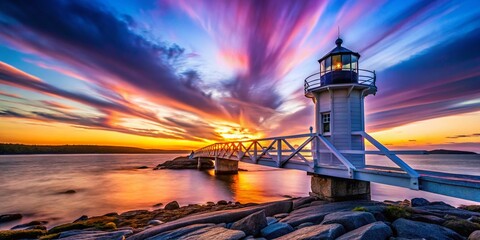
x: 339, y: 66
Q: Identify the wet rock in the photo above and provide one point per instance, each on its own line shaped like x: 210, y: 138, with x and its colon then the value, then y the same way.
x: 21, y: 234
x: 316, y: 213
x: 326, y: 232
x: 461, y: 226
x: 142, y: 167
x: 30, y: 225
x: 474, y: 236
x: 94, y: 235
x: 349, y: 220
x: 222, y: 202
x: 307, y: 224
x: 281, y: 215
x: 276, y: 230
x: 251, y: 224
x: 177, y: 233
x: 413, y: 229
x: 155, y: 222
x: 372, y: 231
x: 428, y: 219
x: 172, y: 206
x: 210, y: 203
x: 271, y: 220
x: 81, y: 218
x: 418, y: 202
x: 215, y: 233
x: 201, y: 231
x: 223, y: 216
x: 287, y: 196
x: 10, y: 217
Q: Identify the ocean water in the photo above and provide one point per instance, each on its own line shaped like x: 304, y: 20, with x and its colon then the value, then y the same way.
x: 104, y: 183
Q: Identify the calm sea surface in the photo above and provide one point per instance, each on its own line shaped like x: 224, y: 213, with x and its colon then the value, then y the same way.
x: 30, y: 184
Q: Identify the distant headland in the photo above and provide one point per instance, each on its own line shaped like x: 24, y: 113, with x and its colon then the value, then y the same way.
x: 7, y: 148
x: 11, y: 148
x: 445, y: 151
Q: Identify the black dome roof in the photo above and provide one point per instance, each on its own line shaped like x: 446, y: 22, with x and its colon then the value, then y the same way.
x: 339, y: 50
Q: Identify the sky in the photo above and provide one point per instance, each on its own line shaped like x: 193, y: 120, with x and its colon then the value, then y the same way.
x: 180, y: 74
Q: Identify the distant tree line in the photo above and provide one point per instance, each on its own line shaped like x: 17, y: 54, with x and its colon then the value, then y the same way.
x: 8, y: 148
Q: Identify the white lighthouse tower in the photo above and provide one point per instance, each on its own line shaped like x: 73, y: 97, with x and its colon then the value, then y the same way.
x: 338, y: 92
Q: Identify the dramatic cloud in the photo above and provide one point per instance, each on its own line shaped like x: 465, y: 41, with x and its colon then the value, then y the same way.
x: 151, y: 71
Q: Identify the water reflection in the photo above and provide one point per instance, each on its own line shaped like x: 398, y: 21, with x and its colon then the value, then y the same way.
x: 111, y: 183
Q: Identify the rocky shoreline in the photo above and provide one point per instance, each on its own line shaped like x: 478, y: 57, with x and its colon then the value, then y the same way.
x: 296, y: 218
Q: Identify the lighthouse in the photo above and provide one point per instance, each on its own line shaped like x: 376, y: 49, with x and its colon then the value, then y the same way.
x: 338, y: 92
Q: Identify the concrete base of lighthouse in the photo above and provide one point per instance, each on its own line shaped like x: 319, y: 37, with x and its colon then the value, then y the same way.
x: 225, y: 166
x: 339, y: 189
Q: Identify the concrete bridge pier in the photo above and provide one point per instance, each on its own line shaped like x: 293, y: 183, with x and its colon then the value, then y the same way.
x: 225, y: 166
x: 339, y: 189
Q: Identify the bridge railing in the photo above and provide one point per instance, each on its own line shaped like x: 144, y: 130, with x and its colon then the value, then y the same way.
x: 300, y: 152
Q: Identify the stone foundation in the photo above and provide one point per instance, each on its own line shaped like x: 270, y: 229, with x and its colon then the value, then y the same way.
x: 339, y: 189
x: 224, y: 166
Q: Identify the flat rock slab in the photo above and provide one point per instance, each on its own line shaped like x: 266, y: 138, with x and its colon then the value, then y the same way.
x: 413, y: 229
x: 215, y: 217
x: 324, y: 232
x: 96, y: 235
x: 372, y: 231
x: 177, y: 233
x: 251, y: 224
x: 302, y: 202
x: 201, y: 231
x: 316, y: 213
x: 350, y: 220
x: 276, y: 230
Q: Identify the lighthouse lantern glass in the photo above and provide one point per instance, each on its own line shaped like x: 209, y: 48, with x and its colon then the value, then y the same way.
x: 337, y: 62
x: 354, y: 63
x: 346, y: 62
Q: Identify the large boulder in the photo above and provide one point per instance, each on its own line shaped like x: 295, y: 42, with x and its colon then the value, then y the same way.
x: 172, y: 206
x: 223, y: 216
x: 474, y: 236
x: 276, y: 230
x: 428, y: 219
x: 413, y: 229
x: 325, y: 232
x: 350, y: 220
x: 251, y: 224
x: 372, y: 231
x: 316, y: 213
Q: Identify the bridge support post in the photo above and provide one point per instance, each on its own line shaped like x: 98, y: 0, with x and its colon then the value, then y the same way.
x: 339, y: 189
x: 225, y: 166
